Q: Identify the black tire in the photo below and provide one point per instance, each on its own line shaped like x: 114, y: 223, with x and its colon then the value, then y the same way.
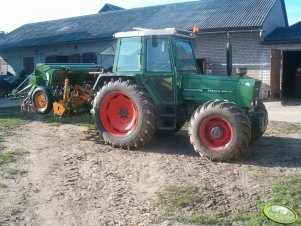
x: 257, y: 132
x: 42, y: 105
x: 230, y: 126
x: 134, y: 100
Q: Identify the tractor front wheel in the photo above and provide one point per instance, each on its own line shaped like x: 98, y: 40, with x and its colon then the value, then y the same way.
x: 41, y: 100
x: 258, y: 128
x: 220, y: 130
x: 124, y: 115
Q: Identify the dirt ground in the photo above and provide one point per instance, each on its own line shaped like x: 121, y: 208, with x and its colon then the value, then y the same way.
x: 75, y: 179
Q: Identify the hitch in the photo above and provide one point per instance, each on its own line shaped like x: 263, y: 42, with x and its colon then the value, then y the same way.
x: 27, y: 106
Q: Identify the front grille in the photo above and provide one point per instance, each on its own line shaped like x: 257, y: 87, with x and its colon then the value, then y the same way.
x: 256, y: 90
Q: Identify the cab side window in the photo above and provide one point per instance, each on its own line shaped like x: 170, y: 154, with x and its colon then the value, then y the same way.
x: 157, y: 55
x: 129, y: 55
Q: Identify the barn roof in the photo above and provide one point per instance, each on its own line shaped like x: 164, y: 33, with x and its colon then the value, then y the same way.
x: 290, y: 34
x: 109, y: 7
x: 209, y: 14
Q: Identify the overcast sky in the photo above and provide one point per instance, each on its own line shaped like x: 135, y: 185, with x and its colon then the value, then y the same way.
x: 15, y: 13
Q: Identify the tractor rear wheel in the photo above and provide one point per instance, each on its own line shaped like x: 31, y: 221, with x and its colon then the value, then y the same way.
x: 220, y: 130
x: 257, y: 132
x: 124, y: 115
x: 41, y: 100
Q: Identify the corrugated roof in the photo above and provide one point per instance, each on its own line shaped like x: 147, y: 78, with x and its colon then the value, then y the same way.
x: 209, y: 14
x: 290, y: 34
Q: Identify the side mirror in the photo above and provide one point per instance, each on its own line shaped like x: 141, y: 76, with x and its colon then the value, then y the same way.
x: 154, y: 41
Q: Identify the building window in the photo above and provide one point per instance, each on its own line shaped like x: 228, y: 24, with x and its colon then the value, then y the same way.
x: 28, y: 65
x: 89, y: 58
x: 75, y: 58
x: 57, y: 59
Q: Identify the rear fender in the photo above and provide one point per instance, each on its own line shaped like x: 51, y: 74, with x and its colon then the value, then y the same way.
x: 105, y: 78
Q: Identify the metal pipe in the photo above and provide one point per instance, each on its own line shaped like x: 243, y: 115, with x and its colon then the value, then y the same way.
x: 225, y: 32
x: 24, y: 81
x: 27, y: 87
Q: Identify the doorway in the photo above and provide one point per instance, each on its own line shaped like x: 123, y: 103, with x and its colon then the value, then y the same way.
x: 291, y: 83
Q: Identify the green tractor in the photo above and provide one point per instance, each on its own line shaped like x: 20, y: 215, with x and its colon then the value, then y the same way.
x: 155, y: 87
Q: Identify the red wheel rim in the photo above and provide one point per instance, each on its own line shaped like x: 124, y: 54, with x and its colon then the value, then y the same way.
x: 118, y: 114
x: 216, y: 133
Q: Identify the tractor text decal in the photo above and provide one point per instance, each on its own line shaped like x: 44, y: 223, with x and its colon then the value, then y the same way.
x: 211, y: 90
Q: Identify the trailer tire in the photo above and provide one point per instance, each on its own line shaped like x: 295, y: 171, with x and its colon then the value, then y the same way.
x: 124, y: 115
x: 42, y: 100
x: 220, y: 131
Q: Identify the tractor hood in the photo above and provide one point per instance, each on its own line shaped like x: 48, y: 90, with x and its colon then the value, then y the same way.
x: 240, y: 90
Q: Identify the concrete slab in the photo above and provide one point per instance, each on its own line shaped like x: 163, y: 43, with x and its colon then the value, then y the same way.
x: 284, y: 111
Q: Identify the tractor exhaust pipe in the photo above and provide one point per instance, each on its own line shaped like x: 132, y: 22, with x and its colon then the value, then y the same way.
x: 229, y: 55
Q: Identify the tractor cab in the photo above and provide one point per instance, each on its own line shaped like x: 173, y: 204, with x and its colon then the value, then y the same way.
x: 158, y: 58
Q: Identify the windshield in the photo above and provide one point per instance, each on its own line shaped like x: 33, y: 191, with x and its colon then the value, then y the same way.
x: 129, y: 54
x: 184, y: 55
x: 105, y: 57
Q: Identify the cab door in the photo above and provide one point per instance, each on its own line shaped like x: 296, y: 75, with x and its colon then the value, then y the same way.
x: 158, y: 69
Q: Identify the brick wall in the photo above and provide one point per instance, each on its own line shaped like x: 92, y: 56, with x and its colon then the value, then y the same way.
x: 247, y: 52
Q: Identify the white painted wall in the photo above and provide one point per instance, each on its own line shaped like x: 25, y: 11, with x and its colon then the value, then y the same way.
x: 15, y: 57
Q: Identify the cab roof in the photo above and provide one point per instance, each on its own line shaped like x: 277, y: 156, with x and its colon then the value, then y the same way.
x: 138, y: 32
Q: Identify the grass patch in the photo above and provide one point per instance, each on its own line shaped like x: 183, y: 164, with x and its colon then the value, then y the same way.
x: 83, y: 120
x: 291, y: 127
x: 12, y: 122
x: 285, y: 127
x: 1, y: 140
x: 6, y: 157
x: 180, y: 197
x: 3, y: 185
x: 286, y: 191
x: 13, y: 171
x: 12, y: 118
x: 181, y: 205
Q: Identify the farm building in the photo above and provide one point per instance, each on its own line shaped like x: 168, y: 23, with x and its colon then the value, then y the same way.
x: 255, y: 28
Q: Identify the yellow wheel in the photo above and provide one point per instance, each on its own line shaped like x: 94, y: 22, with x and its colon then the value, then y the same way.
x: 41, y: 101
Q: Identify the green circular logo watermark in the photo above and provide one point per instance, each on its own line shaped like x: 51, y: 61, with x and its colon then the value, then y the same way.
x: 280, y: 214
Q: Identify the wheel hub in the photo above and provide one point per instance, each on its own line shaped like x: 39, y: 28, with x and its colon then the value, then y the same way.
x: 217, y: 132
x: 118, y: 114
x: 123, y: 113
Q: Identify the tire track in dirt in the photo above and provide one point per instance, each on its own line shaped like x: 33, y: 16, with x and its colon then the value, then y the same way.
x: 74, y: 179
